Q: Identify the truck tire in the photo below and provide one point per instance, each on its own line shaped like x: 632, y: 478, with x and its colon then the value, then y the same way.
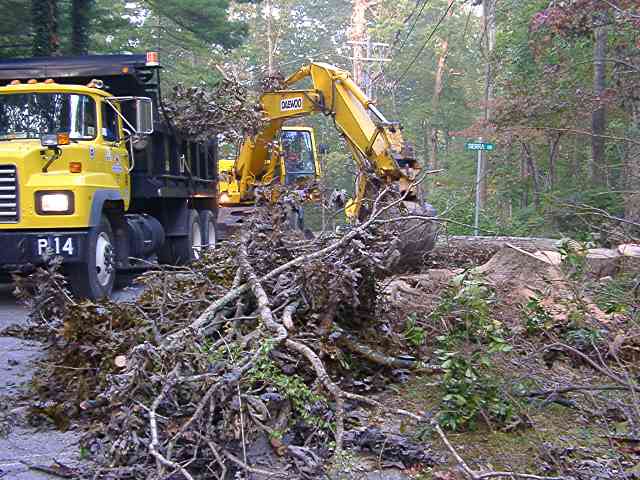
x: 208, y: 224
x: 94, y: 278
x: 184, y: 249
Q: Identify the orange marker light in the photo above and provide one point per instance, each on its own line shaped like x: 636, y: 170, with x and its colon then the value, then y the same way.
x: 49, y: 80
x: 63, y: 139
x: 15, y: 82
x: 75, y: 167
x: 125, y: 69
x: 152, y: 59
x: 32, y: 81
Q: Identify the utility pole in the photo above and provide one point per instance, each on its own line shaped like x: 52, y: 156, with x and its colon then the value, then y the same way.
x: 269, y: 39
x: 479, y: 202
x: 362, y: 66
x: 366, y: 54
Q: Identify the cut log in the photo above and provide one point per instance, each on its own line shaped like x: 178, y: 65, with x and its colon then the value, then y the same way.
x: 630, y: 261
x: 603, y: 262
x: 461, y: 251
x: 530, y: 244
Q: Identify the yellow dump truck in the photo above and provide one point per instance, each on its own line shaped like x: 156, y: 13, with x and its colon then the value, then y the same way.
x: 92, y: 171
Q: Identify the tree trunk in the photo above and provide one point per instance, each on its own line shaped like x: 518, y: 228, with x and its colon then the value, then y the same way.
x: 433, y: 144
x: 269, y: 39
x: 358, y: 35
x: 426, y: 141
x: 81, y: 32
x: 632, y: 167
x: 489, y: 16
x: 553, y: 154
x: 598, y: 117
x: 455, y: 244
x: 630, y: 85
x: 533, y: 171
x: 435, y: 101
x: 44, y: 17
x: 524, y: 198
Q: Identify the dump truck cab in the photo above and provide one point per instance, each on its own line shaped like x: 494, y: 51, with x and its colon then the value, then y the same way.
x: 91, y: 172
x: 67, y: 143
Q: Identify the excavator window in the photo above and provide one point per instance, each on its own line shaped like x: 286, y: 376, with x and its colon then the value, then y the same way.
x: 298, y: 152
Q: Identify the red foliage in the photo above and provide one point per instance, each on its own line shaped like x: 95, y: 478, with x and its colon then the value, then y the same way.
x: 578, y: 17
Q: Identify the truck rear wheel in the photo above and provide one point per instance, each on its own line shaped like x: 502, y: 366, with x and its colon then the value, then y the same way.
x: 208, y: 223
x: 184, y: 249
x: 94, y: 278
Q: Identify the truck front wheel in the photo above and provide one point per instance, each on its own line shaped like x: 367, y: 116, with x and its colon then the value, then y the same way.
x: 94, y: 277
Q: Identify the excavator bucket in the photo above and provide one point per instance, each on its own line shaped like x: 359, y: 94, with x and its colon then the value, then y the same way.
x: 416, y: 237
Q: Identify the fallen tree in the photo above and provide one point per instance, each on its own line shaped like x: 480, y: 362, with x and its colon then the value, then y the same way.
x: 243, y: 346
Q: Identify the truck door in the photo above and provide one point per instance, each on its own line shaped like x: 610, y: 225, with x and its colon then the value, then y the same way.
x: 114, y: 155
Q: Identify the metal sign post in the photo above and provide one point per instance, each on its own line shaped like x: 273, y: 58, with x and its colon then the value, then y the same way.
x: 480, y: 147
x: 476, y: 221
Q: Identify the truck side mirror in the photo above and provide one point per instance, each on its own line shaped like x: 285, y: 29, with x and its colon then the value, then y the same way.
x: 144, y: 116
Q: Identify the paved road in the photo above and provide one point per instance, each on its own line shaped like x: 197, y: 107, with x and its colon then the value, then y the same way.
x: 24, y: 443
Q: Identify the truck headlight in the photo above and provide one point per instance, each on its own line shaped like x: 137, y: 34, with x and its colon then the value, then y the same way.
x: 55, y: 203
x: 224, y: 198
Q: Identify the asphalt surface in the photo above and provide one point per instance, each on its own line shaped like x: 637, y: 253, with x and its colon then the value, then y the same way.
x: 26, y: 445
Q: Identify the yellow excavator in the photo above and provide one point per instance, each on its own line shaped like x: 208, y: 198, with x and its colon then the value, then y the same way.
x: 377, y: 146
x: 292, y: 159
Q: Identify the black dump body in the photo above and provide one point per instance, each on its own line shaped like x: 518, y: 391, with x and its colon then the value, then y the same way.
x: 169, y: 168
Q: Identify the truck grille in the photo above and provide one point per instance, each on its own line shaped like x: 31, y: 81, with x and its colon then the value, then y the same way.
x: 8, y: 194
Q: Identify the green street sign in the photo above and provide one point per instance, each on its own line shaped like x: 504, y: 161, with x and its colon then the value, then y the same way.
x: 479, y: 146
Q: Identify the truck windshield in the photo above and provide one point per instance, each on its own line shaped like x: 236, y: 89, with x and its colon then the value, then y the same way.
x: 298, y: 154
x: 30, y: 115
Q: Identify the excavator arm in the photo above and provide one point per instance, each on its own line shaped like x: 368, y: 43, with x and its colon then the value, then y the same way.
x: 378, y: 148
x: 376, y: 143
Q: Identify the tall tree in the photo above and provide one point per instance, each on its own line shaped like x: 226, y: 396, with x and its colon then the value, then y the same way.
x: 44, y: 15
x: 358, y: 35
x: 15, y: 29
x: 207, y: 20
x: 599, y: 115
x: 489, y: 16
x: 81, y: 15
x: 435, y: 99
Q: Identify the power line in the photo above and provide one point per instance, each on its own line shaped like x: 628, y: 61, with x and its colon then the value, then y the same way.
x: 424, y: 45
x: 413, y: 26
x: 396, y: 37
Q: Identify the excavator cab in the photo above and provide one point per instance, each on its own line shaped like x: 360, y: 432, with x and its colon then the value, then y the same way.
x: 291, y: 159
x: 299, y: 155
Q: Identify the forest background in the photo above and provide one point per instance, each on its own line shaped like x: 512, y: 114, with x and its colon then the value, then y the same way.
x: 555, y: 85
